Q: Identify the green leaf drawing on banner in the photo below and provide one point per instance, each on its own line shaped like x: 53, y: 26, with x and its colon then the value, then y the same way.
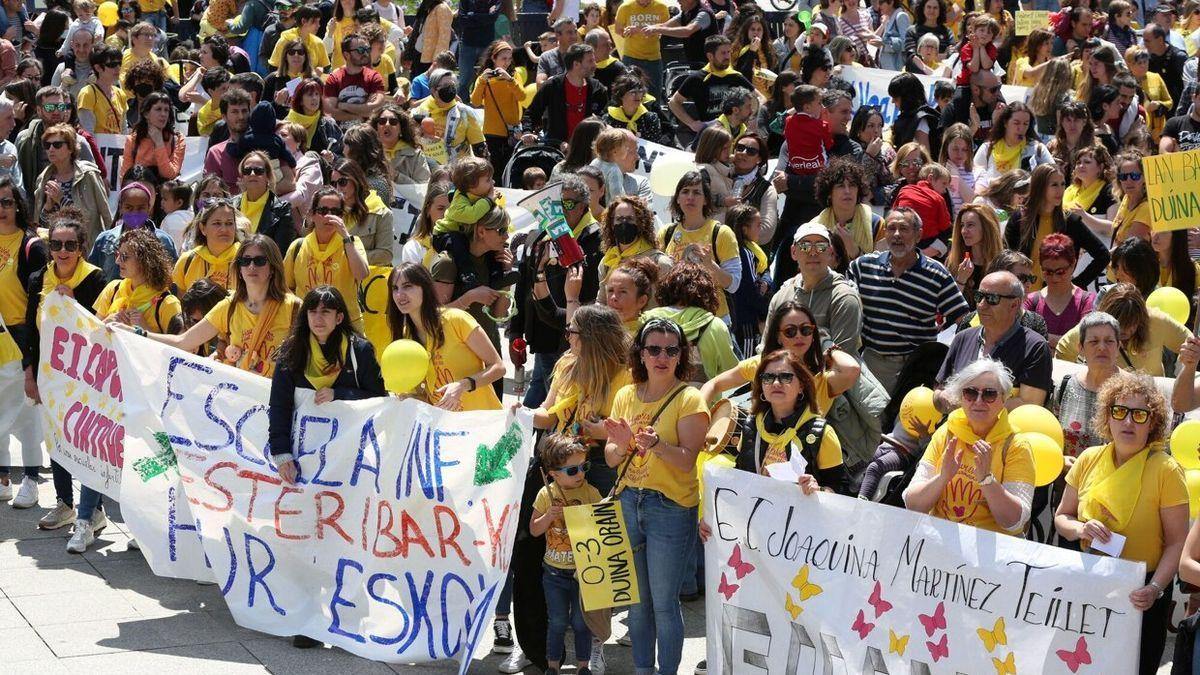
x: 491, y: 463
x: 164, y: 459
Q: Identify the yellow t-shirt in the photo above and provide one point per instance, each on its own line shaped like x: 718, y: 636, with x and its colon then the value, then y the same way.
x: 1163, y: 486
x: 829, y: 454
x: 1125, y: 218
x: 1019, y: 74
x: 191, y: 267
x: 962, y: 499
x: 108, y: 111
x: 647, y: 471
x: 643, y: 47
x: 318, y: 56
x: 149, y: 6
x: 455, y: 360
x: 335, y: 273
x: 156, y: 316
x: 468, y: 132
x: 339, y: 29
x: 727, y: 249
x: 1164, y: 332
x: 748, y: 367
x: 586, y: 407
x: 238, y: 331
x: 128, y: 59
x: 12, y: 293
x: 386, y: 67
x: 558, y: 544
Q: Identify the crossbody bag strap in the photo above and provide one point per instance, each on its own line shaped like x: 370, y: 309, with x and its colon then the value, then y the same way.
x: 616, y: 488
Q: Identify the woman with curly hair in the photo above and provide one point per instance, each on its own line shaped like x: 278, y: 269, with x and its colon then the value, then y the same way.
x: 1013, y: 144
x: 627, y: 109
x: 398, y: 135
x: 139, y: 81
x: 688, y: 296
x: 845, y: 191
x: 630, y: 290
x: 363, y: 147
x: 1133, y: 487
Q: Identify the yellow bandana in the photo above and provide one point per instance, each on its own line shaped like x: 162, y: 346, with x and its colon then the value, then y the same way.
x: 781, y: 440
x: 1084, y: 197
x: 219, y: 267
x: 1007, y: 157
x: 1108, y: 493
x: 614, y: 255
x: 127, y: 297
x: 253, y: 209
x: 760, y: 257
x: 726, y: 72
x: 618, y: 114
x: 319, y: 372
x: 601, y: 65
x: 52, y: 281
x: 309, y: 122
x: 318, y: 263
x: 207, y: 117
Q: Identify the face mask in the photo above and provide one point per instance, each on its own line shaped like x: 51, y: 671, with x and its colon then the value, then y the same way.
x: 142, y: 90
x: 135, y: 219
x: 447, y: 93
x: 201, y: 203
x: 626, y: 231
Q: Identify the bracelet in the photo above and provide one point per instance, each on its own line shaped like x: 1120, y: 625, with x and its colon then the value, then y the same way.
x: 138, y: 330
x: 1158, y: 588
x: 657, y: 440
x: 348, y: 239
x: 472, y: 381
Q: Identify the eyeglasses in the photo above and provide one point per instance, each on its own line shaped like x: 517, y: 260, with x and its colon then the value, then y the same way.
x: 992, y: 299
x: 1131, y: 175
x: 972, y: 394
x: 328, y: 211
x: 751, y: 150
x: 911, y: 163
x: 818, y: 246
x: 53, y: 144
x: 574, y: 469
x: 7, y: 202
x: 343, y: 182
x: 56, y: 107
x: 1120, y: 412
x: 570, y: 204
x: 655, y: 351
x: 361, y: 51
x: 389, y: 121
x: 777, y: 378
x: 254, y: 170
x: 68, y: 246
x: 790, y: 332
x: 1059, y: 272
x: 121, y: 257
x: 257, y: 261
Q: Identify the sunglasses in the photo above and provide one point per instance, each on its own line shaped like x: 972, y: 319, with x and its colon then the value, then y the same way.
x: 54, y: 144
x: 257, y: 261
x: 574, y: 470
x: 911, y: 162
x: 389, y: 121
x: 992, y: 299
x: 343, y: 182
x: 1027, y: 278
x: 1120, y: 412
x: 777, y: 378
x: 7, y: 202
x: 570, y: 204
x: 807, y: 330
x: 297, y: 52
x: 655, y: 351
x: 751, y: 150
x: 254, y: 170
x: 1060, y: 272
x: 361, y: 51
x: 1132, y: 175
x: 68, y: 246
x: 972, y: 394
x: 818, y: 246
x: 328, y: 211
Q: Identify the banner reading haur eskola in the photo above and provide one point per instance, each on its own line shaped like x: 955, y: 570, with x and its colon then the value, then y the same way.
x: 394, y: 545
x: 825, y: 583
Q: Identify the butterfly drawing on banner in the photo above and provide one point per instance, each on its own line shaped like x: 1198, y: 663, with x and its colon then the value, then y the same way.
x: 1079, y: 657
x: 801, y: 583
x: 861, y: 626
x: 993, y: 637
x: 740, y: 568
x: 934, y: 622
x: 940, y: 649
x: 727, y: 589
x: 791, y: 607
x: 897, y: 643
x: 1006, y: 667
x: 876, y: 600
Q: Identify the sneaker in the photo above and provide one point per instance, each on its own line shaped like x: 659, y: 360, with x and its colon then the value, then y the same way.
x: 59, y: 516
x: 625, y: 640
x: 515, y: 663
x: 99, y: 521
x: 702, y: 667
x: 503, y: 643
x: 82, y: 538
x: 596, y: 662
x: 304, y: 642
x: 27, y: 494
x: 584, y: 671
x: 6, y: 492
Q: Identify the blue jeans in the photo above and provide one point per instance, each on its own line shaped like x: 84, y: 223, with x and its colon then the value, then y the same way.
x: 539, y: 379
x: 157, y: 19
x: 693, y: 571
x: 468, y: 60
x: 659, y: 530
x: 563, y: 609
x: 504, y: 602
x: 89, y: 501
x: 654, y: 69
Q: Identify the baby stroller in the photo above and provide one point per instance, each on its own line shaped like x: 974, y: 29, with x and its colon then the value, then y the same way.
x: 543, y: 156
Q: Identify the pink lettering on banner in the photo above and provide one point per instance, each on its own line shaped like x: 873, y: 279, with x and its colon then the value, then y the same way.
x: 94, y: 433
x: 99, y: 363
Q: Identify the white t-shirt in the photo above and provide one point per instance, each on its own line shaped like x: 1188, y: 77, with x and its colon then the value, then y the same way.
x: 174, y: 224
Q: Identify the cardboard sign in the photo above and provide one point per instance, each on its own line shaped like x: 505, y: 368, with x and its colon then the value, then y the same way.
x: 1173, y: 188
x: 603, y: 557
x: 1028, y: 21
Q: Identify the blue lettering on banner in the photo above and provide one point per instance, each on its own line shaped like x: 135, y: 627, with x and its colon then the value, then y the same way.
x: 335, y: 622
x: 379, y: 597
x: 176, y: 396
x: 423, y: 457
x: 259, y: 578
x: 303, y: 445
x: 239, y: 444
x: 216, y: 419
x: 446, y: 581
x: 368, y: 436
x: 174, y: 526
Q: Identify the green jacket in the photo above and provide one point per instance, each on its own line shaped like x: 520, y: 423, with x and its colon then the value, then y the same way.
x: 463, y: 213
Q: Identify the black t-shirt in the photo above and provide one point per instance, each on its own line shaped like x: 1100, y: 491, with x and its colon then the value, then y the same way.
x: 1185, y: 130
x: 959, y: 110
x: 707, y: 91
x: 1025, y: 353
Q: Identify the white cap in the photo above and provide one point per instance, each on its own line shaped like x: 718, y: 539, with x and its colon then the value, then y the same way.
x: 811, y: 228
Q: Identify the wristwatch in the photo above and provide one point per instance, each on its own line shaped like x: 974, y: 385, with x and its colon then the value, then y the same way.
x: 472, y: 381
x: 348, y: 239
x: 1158, y: 588
x: 987, y: 480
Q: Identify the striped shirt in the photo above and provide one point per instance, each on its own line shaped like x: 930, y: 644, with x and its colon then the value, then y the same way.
x: 900, y: 313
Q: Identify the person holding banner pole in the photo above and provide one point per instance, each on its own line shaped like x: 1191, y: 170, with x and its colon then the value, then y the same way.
x: 655, y: 432
x: 1128, y: 498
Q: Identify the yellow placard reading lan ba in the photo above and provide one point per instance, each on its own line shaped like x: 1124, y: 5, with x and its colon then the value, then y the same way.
x: 603, y: 556
x: 1029, y: 20
x: 1173, y: 189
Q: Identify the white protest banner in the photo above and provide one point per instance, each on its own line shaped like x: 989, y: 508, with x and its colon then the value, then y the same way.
x: 81, y: 395
x: 112, y: 146
x: 394, y: 544
x: 871, y: 85
x: 825, y: 583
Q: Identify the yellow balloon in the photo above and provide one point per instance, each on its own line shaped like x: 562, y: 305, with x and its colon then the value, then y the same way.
x: 1047, y: 457
x: 404, y: 364
x: 1172, y: 301
x: 1035, y: 418
x: 1185, y: 444
x: 666, y: 172
x: 107, y: 13
x: 1193, y: 485
x: 918, y: 415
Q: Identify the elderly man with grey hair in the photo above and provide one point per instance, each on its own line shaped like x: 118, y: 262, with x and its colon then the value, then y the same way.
x: 976, y: 471
x: 608, y: 67
x: 8, y: 152
x: 552, y: 61
x: 1001, y: 336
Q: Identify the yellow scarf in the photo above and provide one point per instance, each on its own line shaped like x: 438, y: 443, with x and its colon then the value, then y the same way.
x: 320, y: 373
x: 374, y: 204
x: 219, y: 266
x: 760, y: 257
x: 859, y: 226
x: 614, y: 255
x: 309, y: 122
x: 618, y: 114
x: 52, y: 281
x: 961, y: 429
x: 253, y: 209
x: 1082, y: 197
x: 127, y: 297
x: 316, y: 262
x: 565, y: 407
x: 1007, y: 157
x: 206, y: 117
x: 726, y: 72
x: 781, y: 440
x: 601, y: 65
x: 586, y: 219
x: 1108, y: 493
x: 737, y: 133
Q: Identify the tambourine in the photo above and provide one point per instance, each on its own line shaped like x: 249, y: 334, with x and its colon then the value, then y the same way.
x: 725, y: 423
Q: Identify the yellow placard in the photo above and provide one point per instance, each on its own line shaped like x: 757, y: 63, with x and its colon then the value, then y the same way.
x: 603, y: 556
x: 1027, y: 21
x: 1173, y: 189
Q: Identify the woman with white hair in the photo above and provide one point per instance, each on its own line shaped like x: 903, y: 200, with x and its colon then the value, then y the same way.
x: 975, y: 471
x: 9, y: 166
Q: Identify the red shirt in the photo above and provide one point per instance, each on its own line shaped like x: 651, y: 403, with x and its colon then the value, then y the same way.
x: 576, y: 104
x: 347, y: 88
x: 965, y: 55
x: 929, y: 204
x: 808, y: 142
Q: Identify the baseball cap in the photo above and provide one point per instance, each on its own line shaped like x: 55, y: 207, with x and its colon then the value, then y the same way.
x: 812, y: 228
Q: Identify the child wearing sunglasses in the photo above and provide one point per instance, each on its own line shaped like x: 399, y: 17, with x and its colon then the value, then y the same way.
x: 564, y: 458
